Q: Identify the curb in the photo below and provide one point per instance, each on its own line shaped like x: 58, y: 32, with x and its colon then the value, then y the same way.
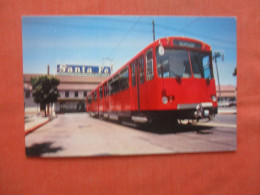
x: 36, y: 127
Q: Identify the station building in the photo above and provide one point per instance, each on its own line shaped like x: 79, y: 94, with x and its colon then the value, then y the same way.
x: 74, y: 86
x: 227, y: 95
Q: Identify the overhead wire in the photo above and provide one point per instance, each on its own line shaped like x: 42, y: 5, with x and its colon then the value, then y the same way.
x: 177, y: 31
x: 123, y: 38
x: 193, y: 33
x: 131, y: 29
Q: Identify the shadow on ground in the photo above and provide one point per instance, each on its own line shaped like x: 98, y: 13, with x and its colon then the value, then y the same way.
x: 42, y: 148
x: 172, y: 128
x: 168, y: 128
x: 164, y: 127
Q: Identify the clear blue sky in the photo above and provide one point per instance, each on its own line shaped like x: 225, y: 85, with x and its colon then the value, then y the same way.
x: 90, y: 40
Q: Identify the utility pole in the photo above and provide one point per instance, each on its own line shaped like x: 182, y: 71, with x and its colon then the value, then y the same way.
x: 153, y: 31
x: 48, y: 106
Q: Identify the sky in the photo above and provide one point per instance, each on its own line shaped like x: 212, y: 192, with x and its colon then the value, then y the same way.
x: 105, y: 40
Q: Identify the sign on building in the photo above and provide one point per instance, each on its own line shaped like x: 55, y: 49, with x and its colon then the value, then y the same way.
x: 84, y: 70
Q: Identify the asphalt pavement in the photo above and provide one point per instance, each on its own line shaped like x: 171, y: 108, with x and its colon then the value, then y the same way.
x: 78, y: 134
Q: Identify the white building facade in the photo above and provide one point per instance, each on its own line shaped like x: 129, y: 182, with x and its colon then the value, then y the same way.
x: 72, y: 89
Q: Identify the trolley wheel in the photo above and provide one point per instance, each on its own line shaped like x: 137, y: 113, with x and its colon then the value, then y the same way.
x: 184, y: 121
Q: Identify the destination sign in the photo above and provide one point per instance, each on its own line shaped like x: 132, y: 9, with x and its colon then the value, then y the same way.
x: 66, y: 69
x: 190, y: 44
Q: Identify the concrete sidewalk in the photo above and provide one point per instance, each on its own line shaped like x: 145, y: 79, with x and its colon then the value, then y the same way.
x: 32, y: 122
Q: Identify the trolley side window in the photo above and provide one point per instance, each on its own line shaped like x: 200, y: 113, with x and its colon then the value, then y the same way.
x: 105, y: 89
x: 100, y: 92
x: 124, y: 79
x: 109, y: 89
x: 90, y: 99
x: 142, y: 76
x: 95, y: 95
x: 149, y: 65
x: 115, y: 86
x: 133, y: 74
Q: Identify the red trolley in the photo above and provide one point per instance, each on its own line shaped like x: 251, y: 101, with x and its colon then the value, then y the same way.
x: 172, y: 78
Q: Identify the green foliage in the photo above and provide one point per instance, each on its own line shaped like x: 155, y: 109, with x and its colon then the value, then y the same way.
x: 45, y: 89
x: 235, y: 72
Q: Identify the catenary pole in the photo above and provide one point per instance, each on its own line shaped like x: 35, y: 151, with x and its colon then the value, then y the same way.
x: 48, y: 106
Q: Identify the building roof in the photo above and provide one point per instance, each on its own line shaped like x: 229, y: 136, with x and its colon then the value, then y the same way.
x: 80, y: 79
x: 76, y: 87
x: 229, y: 94
x: 227, y: 88
x: 227, y: 91
x: 70, y: 79
x: 75, y: 83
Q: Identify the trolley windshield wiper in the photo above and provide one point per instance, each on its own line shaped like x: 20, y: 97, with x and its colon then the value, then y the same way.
x: 176, y: 75
x: 208, y: 80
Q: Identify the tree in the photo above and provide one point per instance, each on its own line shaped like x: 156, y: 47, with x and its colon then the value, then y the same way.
x: 235, y: 72
x: 45, y: 90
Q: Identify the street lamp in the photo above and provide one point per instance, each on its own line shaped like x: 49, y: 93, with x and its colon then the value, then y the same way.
x: 216, y: 55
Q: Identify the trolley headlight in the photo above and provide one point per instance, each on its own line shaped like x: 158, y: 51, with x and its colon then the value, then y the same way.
x: 164, y: 100
x: 214, y: 98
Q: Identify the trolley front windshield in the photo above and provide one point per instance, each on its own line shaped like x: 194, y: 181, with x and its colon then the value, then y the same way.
x: 180, y: 63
